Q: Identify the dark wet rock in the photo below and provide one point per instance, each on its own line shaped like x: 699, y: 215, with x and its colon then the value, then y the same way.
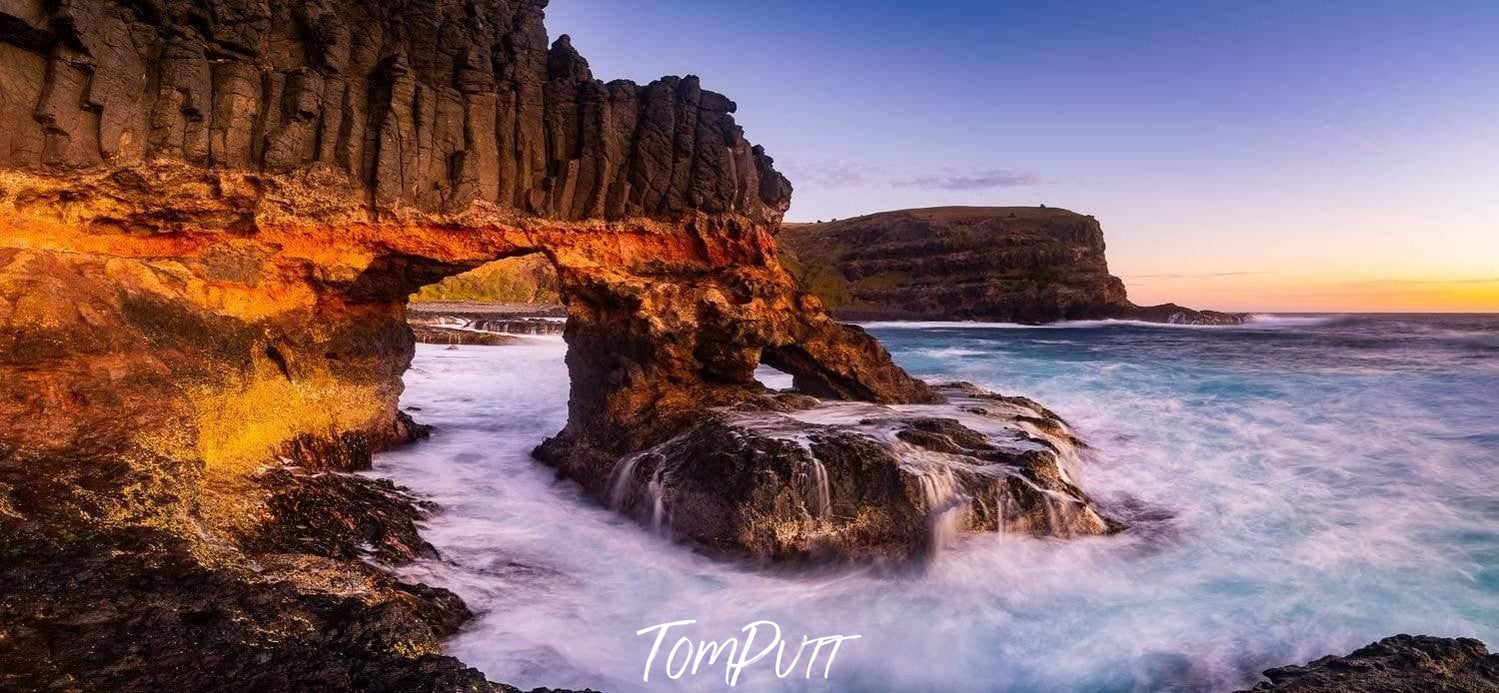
x: 1005, y: 264
x: 1173, y: 314
x: 292, y: 601
x: 520, y: 326
x: 1398, y: 664
x: 432, y: 321
x: 341, y: 516
x: 828, y: 482
x: 465, y: 310
x: 142, y: 609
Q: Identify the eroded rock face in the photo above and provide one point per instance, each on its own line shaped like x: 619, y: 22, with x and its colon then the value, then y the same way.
x: 211, y: 216
x: 788, y: 477
x: 1398, y: 664
x: 1007, y: 264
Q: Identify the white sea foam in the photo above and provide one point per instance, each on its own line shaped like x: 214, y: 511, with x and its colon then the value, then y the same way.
x: 1063, y: 325
x: 1279, y: 320
x: 1282, y: 510
x: 952, y: 352
x: 772, y: 378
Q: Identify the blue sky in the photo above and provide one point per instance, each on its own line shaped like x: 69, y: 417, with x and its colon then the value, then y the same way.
x: 1247, y: 156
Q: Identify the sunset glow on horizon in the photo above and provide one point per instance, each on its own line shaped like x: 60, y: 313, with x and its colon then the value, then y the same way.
x: 1272, y: 294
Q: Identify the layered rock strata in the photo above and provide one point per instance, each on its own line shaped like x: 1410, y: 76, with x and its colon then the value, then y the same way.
x: 1005, y: 264
x: 211, y: 215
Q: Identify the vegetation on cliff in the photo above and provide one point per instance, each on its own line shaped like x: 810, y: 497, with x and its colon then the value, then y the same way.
x: 527, y: 279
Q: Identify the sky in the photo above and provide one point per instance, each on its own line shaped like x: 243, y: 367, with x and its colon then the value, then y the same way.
x: 1264, y: 156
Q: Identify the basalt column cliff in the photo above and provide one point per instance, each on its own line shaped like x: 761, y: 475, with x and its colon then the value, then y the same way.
x: 212, y: 213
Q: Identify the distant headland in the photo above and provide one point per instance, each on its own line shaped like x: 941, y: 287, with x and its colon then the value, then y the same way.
x: 1005, y: 264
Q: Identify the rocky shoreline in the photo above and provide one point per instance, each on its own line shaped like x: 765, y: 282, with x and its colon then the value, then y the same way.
x: 788, y: 478
x: 212, y: 216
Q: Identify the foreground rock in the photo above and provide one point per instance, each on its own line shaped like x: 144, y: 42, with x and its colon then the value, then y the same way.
x: 277, y: 606
x: 1005, y: 264
x: 792, y: 478
x: 1399, y: 664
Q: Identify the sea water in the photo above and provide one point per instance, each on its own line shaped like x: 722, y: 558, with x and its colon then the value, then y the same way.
x: 1296, y: 487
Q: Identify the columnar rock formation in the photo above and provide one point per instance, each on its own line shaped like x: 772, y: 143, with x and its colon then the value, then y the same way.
x: 428, y: 104
x: 212, y: 213
x: 1008, y: 264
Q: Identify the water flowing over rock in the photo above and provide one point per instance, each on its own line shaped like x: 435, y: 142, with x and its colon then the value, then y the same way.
x: 787, y: 477
x: 1006, y: 264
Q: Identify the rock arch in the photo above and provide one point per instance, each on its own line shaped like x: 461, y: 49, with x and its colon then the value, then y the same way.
x: 211, y: 215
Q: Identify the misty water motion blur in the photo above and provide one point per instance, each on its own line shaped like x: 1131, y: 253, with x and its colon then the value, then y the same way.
x: 1295, y: 486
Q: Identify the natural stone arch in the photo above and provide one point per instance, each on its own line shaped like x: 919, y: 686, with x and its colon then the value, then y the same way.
x: 211, y: 214
x: 291, y: 340
x: 230, y: 288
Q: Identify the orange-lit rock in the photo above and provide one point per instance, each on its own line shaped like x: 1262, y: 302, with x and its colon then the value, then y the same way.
x: 231, y: 346
x: 212, y: 213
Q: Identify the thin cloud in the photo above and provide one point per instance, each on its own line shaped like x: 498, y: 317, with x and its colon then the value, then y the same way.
x: 973, y: 180
x: 827, y: 174
x: 1480, y: 280
x: 1195, y: 276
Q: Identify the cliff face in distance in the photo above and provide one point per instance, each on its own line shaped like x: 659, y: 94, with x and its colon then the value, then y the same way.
x: 1006, y: 264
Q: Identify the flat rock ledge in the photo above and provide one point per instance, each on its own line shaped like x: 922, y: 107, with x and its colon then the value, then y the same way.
x: 1398, y: 664
x: 790, y: 478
